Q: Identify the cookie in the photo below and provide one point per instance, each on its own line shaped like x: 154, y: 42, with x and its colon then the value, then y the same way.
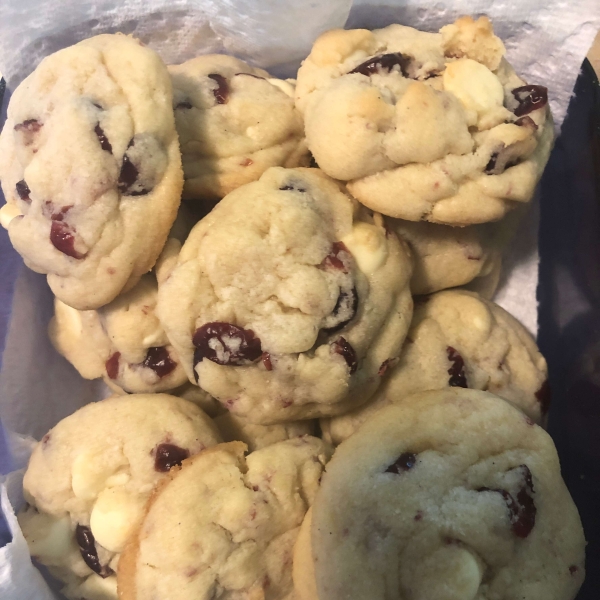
x: 446, y: 257
x: 90, y: 168
x: 234, y: 122
x: 458, y: 339
x: 286, y: 300
x: 425, y: 126
x: 453, y: 495
x: 123, y: 342
x: 198, y: 396
x: 89, y: 478
x: 223, y: 526
x: 233, y: 428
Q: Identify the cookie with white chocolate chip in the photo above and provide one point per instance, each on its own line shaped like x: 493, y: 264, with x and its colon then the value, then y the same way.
x: 234, y: 121
x: 122, y: 342
x: 91, y: 169
x: 453, y: 495
x: 224, y: 526
x: 89, y: 478
x: 425, y: 126
x: 286, y: 299
x: 458, y: 339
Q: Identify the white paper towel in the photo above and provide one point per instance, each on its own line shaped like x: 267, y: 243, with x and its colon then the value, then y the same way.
x: 546, y: 42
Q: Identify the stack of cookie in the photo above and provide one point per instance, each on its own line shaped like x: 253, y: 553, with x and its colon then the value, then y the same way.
x: 276, y: 257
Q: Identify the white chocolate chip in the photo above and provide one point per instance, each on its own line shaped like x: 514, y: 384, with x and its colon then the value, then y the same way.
x: 368, y: 246
x: 285, y: 86
x: 474, y: 85
x: 7, y: 213
x: 114, y: 516
x: 89, y: 474
x: 49, y: 538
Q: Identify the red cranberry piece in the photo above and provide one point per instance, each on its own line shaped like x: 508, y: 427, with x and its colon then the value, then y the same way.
x: 385, y: 365
x: 294, y: 186
x: 344, y: 348
x: 530, y: 98
x: 159, y: 360
x: 226, y: 344
x: 23, y: 191
x: 221, y: 92
x: 167, y: 456
x: 573, y: 569
x: 29, y: 126
x: 89, y: 553
x: 112, y: 365
x: 489, y: 168
x: 266, y: 359
x: 127, y: 177
x: 343, y: 311
x: 104, y: 143
x: 385, y: 63
x: 405, y: 462
x: 49, y: 209
x: 543, y: 396
x: 457, y: 370
x: 338, y: 258
x: 526, y: 122
x: 522, y: 510
x: 185, y: 104
x: 62, y: 238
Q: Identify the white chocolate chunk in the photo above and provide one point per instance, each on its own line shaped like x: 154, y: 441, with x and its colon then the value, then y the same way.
x: 49, y: 538
x: 474, y: 85
x: 89, y: 474
x: 7, y: 213
x: 368, y: 246
x: 114, y: 516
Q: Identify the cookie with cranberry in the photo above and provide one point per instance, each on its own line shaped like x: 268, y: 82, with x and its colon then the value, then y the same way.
x: 90, y: 168
x: 458, y: 339
x: 425, y: 126
x: 224, y: 526
x: 454, y: 494
x: 234, y: 428
x: 286, y: 299
x: 123, y: 342
x: 89, y: 478
x: 234, y: 122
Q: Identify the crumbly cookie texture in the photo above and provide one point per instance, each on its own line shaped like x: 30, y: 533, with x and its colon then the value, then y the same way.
x: 234, y: 122
x: 90, y: 168
x: 458, y: 339
x: 285, y: 301
x: 453, y: 495
x: 425, y: 126
x: 123, y: 342
x: 89, y: 478
x: 234, y: 428
x: 224, y: 527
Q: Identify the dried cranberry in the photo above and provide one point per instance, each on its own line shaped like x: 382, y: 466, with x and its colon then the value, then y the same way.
x: 266, y: 359
x: 385, y: 365
x: 457, y: 370
x: 89, y: 553
x: 522, y: 510
x: 573, y: 569
x: 29, y: 126
x: 292, y: 186
x: 62, y: 238
x: 226, y: 344
x: 167, y: 456
x: 344, y: 348
x: 49, y: 208
x: 159, y: 360
x: 184, y: 104
x: 543, y: 396
x: 343, y: 311
x: 384, y: 62
x: 530, y: 98
x: 492, y: 163
x: 112, y: 365
x: 23, y: 190
x: 221, y: 92
x: 405, y: 462
x: 526, y: 122
x: 104, y: 143
x: 338, y: 258
x: 128, y: 176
